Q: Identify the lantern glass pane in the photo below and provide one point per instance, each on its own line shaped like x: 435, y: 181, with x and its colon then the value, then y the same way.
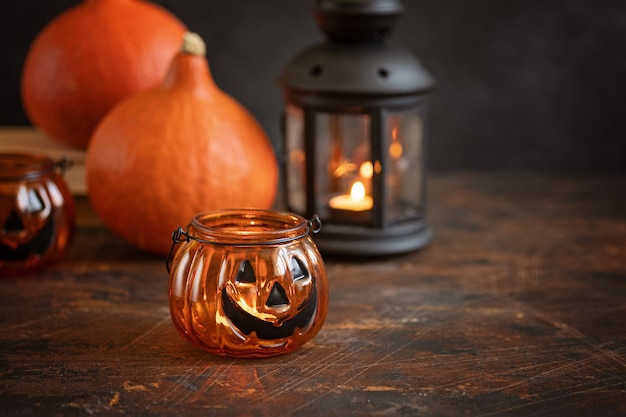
x: 295, y: 165
x: 344, y: 168
x: 404, y: 182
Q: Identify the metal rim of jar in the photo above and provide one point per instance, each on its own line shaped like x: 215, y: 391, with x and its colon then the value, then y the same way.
x: 17, y: 166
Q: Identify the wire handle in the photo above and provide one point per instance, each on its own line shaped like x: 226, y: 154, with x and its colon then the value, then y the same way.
x: 63, y: 164
x: 315, y: 224
x: 176, y: 238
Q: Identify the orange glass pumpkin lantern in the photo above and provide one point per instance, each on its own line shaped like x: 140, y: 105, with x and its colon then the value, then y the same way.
x: 247, y: 283
x: 37, y: 213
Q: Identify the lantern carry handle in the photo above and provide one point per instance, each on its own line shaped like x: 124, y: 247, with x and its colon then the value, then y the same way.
x: 314, y: 225
x: 63, y: 164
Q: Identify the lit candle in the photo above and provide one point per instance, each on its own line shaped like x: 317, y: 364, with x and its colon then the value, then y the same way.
x: 355, y: 201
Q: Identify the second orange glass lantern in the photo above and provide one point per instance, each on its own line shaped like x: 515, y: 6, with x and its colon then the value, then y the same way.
x: 355, y: 133
x: 37, y: 212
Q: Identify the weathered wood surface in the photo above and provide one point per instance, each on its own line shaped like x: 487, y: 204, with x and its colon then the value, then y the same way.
x: 517, y: 308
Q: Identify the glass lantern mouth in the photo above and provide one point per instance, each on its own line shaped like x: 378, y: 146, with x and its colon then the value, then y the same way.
x: 248, y: 226
x: 23, y: 166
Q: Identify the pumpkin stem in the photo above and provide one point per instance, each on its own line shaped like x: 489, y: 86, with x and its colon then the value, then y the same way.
x: 193, y: 44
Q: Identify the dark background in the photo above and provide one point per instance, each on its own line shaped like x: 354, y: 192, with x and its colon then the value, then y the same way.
x: 521, y: 85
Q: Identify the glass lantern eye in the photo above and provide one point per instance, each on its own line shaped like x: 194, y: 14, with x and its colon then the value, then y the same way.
x: 298, y: 270
x: 13, y: 223
x: 246, y: 273
x: 35, y: 203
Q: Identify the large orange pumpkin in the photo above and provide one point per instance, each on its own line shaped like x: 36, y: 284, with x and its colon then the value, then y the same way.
x: 90, y: 57
x: 164, y: 155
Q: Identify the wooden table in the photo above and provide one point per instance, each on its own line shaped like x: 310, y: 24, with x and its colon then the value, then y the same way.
x: 517, y: 308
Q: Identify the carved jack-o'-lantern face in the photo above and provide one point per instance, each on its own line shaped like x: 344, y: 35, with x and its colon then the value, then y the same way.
x: 36, y: 212
x: 247, y: 283
x: 271, y: 308
x: 27, y: 225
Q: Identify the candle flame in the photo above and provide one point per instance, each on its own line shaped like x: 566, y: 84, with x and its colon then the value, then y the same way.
x: 395, y: 150
x: 357, y: 192
x: 366, y: 170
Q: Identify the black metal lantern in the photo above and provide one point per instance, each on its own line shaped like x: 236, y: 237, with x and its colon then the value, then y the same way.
x: 355, y: 132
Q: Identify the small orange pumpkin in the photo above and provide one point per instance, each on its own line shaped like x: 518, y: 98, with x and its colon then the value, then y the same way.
x: 168, y: 153
x: 90, y: 57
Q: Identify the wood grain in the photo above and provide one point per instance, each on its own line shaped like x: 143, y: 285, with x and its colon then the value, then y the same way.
x: 517, y: 308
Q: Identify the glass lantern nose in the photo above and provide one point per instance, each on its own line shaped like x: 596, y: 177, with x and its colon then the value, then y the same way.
x: 277, y: 297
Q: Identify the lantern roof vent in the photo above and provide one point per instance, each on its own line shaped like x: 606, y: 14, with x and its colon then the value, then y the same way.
x: 357, y: 20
